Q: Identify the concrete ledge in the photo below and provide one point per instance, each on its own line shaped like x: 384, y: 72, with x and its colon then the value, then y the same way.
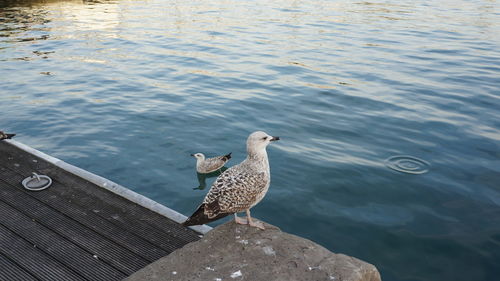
x: 239, y: 252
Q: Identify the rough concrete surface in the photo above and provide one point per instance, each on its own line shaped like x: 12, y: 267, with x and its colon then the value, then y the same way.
x: 239, y: 252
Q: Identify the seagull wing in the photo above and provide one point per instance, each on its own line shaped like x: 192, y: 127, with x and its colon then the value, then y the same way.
x: 233, y: 191
x: 212, y: 164
x: 236, y: 190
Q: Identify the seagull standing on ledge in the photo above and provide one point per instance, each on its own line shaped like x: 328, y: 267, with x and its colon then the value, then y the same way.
x: 4, y: 136
x: 206, y: 166
x: 240, y: 187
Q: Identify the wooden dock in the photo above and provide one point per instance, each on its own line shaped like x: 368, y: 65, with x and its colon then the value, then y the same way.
x: 75, y: 229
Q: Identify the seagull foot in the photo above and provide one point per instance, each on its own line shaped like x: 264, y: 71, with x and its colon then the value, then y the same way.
x: 257, y: 224
x: 239, y: 220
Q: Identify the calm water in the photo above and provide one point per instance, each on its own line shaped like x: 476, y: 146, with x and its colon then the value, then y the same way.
x: 128, y: 89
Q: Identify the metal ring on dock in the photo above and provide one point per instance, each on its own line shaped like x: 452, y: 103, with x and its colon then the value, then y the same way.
x: 37, y: 182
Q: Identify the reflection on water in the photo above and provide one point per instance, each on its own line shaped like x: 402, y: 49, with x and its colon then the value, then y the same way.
x: 128, y: 88
x: 202, y: 178
x: 32, y: 21
x: 48, y: 3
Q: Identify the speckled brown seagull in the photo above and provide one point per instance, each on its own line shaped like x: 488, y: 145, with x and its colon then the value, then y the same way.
x: 240, y: 187
x: 4, y: 136
x: 209, y: 165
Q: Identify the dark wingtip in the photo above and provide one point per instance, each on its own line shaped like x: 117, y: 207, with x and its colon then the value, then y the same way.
x: 228, y: 156
x: 199, y: 217
x: 9, y: 136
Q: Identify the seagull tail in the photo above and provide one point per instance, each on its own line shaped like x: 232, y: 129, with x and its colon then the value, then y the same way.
x: 227, y: 156
x: 199, y: 217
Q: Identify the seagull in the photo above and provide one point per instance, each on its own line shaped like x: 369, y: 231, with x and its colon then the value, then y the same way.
x: 4, y: 136
x: 208, y: 165
x: 240, y: 187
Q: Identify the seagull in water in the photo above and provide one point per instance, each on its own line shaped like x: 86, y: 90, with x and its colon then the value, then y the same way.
x: 4, y: 136
x: 208, y: 165
x: 240, y: 187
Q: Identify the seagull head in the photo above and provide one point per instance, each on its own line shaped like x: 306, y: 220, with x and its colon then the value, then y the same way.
x: 198, y: 156
x: 258, y: 141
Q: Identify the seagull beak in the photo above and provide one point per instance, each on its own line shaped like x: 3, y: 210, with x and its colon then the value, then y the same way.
x: 192, y: 155
x: 275, y: 139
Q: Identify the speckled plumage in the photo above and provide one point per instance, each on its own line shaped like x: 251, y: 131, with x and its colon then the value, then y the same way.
x: 240, y: 187
x: 209, y: 165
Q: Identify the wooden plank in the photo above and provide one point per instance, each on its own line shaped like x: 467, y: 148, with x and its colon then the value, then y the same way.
x: 61, y: 249
x: 151, y: 226
x: 29, y: 258
x: 112, y: 253
x: 90, y: 219
x: 125, y: 214
x: 84, y: 216
x: 10, y: 271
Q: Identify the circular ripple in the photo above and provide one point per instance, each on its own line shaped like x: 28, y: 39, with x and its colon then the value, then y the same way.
x: 408, y: 164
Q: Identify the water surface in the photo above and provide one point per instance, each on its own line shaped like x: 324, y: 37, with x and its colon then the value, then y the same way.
x: 128, y: 89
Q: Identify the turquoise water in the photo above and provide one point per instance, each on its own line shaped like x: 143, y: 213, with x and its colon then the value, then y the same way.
x: 129, y: 89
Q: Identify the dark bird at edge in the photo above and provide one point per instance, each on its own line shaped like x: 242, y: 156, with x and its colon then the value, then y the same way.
x: 4, y: 136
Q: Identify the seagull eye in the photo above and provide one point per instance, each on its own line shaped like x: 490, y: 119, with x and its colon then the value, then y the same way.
x: 264, y: 138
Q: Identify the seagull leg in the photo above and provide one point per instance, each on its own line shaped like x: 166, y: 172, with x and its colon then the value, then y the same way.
x: 239, y: 220
x: 257, y: 224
